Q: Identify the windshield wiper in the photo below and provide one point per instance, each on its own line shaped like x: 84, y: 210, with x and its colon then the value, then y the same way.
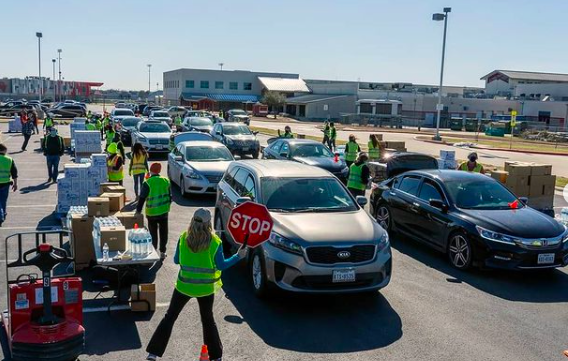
x: 281, y: 210
x: 318, y: 209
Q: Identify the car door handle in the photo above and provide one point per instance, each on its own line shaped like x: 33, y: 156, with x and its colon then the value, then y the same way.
x: 391, y: 193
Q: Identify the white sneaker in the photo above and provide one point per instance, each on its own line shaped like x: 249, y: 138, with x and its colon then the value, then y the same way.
x: 151, y: 357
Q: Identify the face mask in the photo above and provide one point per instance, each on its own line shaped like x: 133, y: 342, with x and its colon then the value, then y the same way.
x: 472, y: 159
x: 53, y: 133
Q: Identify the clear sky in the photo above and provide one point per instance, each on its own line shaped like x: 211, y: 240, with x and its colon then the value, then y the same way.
x: 374, y: 40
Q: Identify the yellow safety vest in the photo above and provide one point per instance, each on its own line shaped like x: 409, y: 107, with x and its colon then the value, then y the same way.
x: 115, y: 175
x: 158, y: 201
x: 477, y: 168
x: 374, y: 153
x: 198, y: 276
x: 352, y: 150
x: 354, y: 180
x: 5, y: 166
x: 138, y: 164
x: 48, y: 122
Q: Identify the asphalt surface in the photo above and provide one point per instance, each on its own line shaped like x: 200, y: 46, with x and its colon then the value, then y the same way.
x: 428, y: 312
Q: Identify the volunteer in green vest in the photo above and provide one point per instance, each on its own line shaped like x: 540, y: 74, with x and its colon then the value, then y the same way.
x: 351, y: 150
x: 115, y: 164
x: 8, y: 177
x: 89, y: 115
x: 98, y: 124
x: 359, y: 174
x: 472, y: 165
x: 47, y: 124
x: 326, y: 133
x: 156, y: 193
x: 199, y: 254
x: 53, y: 149
x: 105, y: 124
x: 90, y: 125
x: 177, y: 122
x: 119, y: 144
x: 374, y: 148
x: 109, y: 134
x: 332, y: 136
x: 287, y: 132
x: 138, y: 167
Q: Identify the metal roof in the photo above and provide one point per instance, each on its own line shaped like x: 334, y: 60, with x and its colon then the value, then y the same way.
x: 311, y: 98
x: 284, y: 85
x: 530, y: 75
x: 242, y: 98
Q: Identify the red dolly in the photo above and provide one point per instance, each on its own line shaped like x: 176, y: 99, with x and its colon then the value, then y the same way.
x: 44, y: 319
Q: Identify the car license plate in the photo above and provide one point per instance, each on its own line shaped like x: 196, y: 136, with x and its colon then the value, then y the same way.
x: 546, y: 258
x: 245, y: 149
x: 159, y: 147
x: 340, y: 276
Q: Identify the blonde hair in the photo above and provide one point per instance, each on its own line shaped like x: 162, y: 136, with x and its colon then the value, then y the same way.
x: 199, y: 235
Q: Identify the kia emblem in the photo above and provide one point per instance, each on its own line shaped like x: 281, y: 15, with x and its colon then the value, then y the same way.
x: 343, y: 254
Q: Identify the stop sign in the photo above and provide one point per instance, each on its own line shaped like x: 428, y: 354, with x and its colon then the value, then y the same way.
x: 252, y: 220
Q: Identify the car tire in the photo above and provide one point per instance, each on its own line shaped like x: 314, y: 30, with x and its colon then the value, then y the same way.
x: 259, y: 281
x: 182, y: 187
x: 460, y: 251
x: 383, y: 216
x: 255, y: 155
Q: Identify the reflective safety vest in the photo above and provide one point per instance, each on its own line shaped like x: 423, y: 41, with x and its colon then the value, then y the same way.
x: 352, y: 150
x: 138, y: 164
x: 98, y: 124
x: 5, y: 166
x: 115, y: 175
x: 374, y: 153
x: 354, y: 180
x: 327, y: 131
x: 91, y: 126
x: 178, y: 120
x: 106, y: 121
x: 110, y: 136
x: 332, y: 132
x: 198, y: 276
x: 287, y: 135
x: 158, y: 201
x: 48, y: 122
x: 477, y: 168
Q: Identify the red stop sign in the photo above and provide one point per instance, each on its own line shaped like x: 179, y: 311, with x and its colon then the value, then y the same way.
x: 252, y: 220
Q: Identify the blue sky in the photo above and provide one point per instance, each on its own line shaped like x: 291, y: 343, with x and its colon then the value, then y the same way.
x: 374, y: 40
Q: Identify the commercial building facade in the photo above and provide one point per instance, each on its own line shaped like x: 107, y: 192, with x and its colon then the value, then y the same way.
x: 29, y: 87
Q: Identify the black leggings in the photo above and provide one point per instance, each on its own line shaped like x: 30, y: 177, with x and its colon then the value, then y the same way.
x: 161, y: 336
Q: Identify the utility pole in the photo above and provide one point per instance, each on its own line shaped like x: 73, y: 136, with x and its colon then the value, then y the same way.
x: 39, y: 36
x: 149, y: 67
x: 59, y: 80
x: 440, y: 106
x: 53, y: 79
x: 221, y: 65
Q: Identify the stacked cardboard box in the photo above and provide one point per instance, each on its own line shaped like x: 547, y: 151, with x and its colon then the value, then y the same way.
x: 378, y: 171
x: 399, y: 146
x: 87, y: 141
x: 143, y: 297
x: 447, y: 160
x: 15, y: 125
x: 531, y: 180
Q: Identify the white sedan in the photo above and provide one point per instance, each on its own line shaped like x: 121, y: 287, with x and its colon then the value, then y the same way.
x: 198, y: 166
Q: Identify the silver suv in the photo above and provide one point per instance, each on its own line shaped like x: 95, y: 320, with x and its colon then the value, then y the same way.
x: 322, y: 240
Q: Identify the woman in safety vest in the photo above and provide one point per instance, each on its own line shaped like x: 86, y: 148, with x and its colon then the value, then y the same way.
x: 200, y: 256
x: 115, y: 164
x: 332, y: 136
x: 138, y: 167
x: 374, y: 148
x: 359, y: 174
x: 472, y: 165
x: 352, y: 149
x: 326, y: 133
x: 109, y: 134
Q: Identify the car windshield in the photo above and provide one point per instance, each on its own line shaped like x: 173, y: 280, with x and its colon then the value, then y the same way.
x: 130, y: 122
x: 236, y: 130
x: 207, y: 154
x: 480, y: 194
x: 154, y: 128
x: 123, y: 112
x: 305, y: 195
x: 160, y: 115
x: 311, y: 150
x: 238, y: 112
x: 200, y: 122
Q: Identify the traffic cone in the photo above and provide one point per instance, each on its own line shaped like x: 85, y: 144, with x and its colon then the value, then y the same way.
x: 204, y: 354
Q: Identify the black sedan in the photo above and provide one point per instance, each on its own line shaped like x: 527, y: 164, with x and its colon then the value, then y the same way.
x: 128, y: 124
x: 309, y: 152
x: 472, y: 218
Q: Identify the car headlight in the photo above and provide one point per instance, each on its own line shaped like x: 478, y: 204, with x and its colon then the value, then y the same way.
x: 495, y: 236
x: 192, y: 174
x: 229, y: 141
x: 384, y: 242
x: 565, y: 239
x: 285, y: 244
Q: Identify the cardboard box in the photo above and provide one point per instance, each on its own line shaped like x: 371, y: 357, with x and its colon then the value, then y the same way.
x: 519, y: 185
x: 105, y: 185
x: 82, y: 238
x: 129, y: 219
x: 145, y: 292
x: 541, y: 169
x: 500, y: 175
x: 115, y: 237
x: 448, y: 154
x: 116, y: 189
x: 67, y: 142
x: 116, y: 201
x: 98, y: 207
x: 379, y: 136
x: 519, y: 169
x: 542, y: 202
x: 394, y: 144
x: 542, y: 185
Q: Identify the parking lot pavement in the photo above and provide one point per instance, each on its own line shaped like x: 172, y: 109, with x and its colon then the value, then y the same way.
x: 429, y: 311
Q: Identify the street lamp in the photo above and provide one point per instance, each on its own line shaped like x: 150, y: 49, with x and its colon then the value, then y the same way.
x: 221, y: 65
x: 53, y: 79
x: 440, y: 106
x: 149, y: 67
x: 59, y: 81
x: 39, y: 36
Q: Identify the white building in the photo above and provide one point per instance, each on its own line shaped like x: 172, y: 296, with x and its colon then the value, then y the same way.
x: 506, y: 82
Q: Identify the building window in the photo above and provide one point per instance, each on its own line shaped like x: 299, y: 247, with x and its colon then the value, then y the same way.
x: 189, y: 84
x: 234, y: 85
x: 219, y: 85
x: 247, y: 86
x: 204, y: 84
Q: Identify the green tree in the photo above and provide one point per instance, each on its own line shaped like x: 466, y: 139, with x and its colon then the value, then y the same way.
x: 274, y: 100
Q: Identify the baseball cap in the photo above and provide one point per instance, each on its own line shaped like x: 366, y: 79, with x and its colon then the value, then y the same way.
x: 202, y: 215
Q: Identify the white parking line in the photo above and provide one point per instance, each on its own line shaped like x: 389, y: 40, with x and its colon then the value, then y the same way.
x: 116, y: 308
x: 35, y: 206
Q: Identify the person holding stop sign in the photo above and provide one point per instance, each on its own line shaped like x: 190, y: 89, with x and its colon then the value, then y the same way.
x: 200, y: 256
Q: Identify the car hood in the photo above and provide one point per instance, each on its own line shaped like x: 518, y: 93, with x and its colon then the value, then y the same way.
x: 524, y: 222
x: 156, y: 135
x: 325, y: 163
x: 210, y: 167
x: 203, y: 128
x: 325, y: 228
x: 240, y: 116
x: 242, y: 137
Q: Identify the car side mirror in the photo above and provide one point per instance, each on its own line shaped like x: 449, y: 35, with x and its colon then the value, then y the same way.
x: 285, y: 155
x: 178, y: 158
x: 439, y: 204
x: 361, y: 200
x: 242, y: 200
x: 255, y: 132
x: 524, y: 200
x: 218, y: 132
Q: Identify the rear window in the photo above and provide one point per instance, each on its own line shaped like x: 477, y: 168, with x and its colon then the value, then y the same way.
x: 160, y: 114
x: 123, y: 112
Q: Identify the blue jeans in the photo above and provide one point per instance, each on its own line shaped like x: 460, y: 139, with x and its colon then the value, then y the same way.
x: 138, y: 181
x: 52, y: 166
x: 4, y: 191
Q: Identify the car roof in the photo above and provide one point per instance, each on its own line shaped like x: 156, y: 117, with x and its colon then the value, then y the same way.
x: 299, y: 141
x: 450, y: 175
x: 201, y: 118
x: 282, y: 168
x: 202, y: 143
x: 230, y: 124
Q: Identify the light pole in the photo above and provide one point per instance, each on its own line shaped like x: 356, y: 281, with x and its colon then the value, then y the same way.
x: 53, y: 79
x: 59, y: 81
x: 39, y: 36
x: 149, y: 67
x: 440, y: 106
x: 221, y: 65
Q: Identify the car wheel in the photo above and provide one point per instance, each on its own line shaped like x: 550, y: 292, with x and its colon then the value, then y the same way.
x: 460, y: 251
x: 383, y: 217
x: 182, y: 187
x: 258, y: 274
